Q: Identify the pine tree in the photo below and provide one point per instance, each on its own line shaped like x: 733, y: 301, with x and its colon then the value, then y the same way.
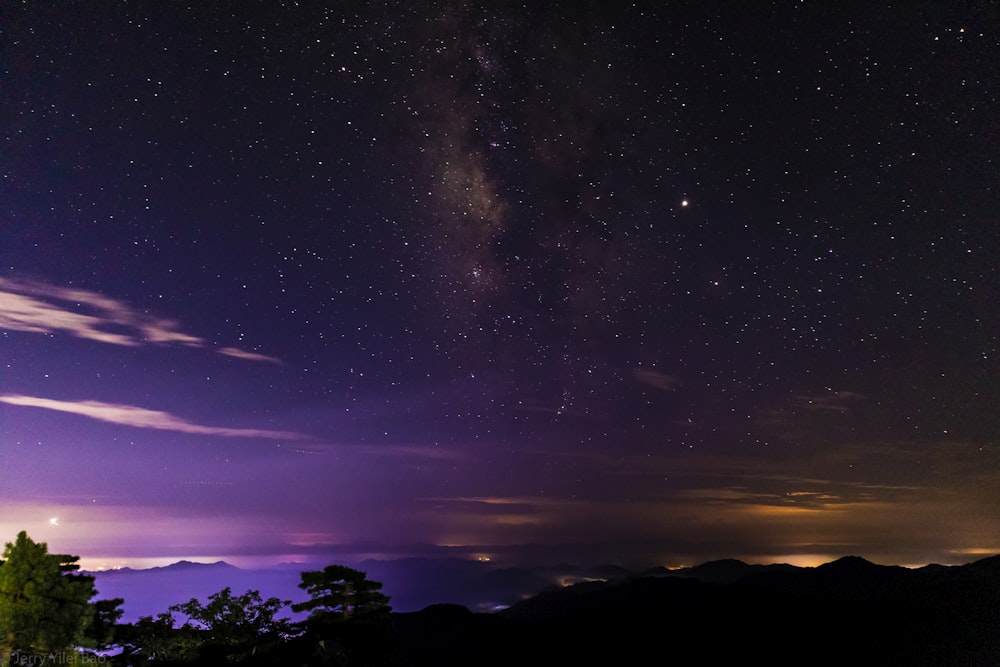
x: 349, y: 621
x: 44, y: 607
x: 341, y: 593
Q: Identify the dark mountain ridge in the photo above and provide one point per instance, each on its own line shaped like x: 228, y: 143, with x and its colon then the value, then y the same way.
x: 849, y: 611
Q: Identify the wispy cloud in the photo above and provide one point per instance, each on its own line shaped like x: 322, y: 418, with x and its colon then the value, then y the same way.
x: 130, y: 415
x: 243, y: 354
x: 656, y: 379
x: 41, y: 308
x: 830, y: 401
x: 498, y: 503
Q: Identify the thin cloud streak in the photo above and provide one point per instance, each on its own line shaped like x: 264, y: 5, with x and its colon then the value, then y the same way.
x: 41, y: 308
x: 831, y: 401
x: 243, y: 354
x: 656, y: 379
x: 130, y: 415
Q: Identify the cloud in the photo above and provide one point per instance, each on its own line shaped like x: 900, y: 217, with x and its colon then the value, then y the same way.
x: 130, y: 415
x: 831, y: 401
x: 656, y: 379
x: 41, y: 308
x: 495, y: 500
x: 243, y: 354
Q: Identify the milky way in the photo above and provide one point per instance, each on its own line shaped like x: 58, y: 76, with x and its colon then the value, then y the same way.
x: 614, y: 280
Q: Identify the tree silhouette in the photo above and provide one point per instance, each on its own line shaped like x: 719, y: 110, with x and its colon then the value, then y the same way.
x: 156, y: 641
x: 236, y: 627
x: 226, y: 629
x: 103, y: 629
x: 348, y: 620
x: 341, y: 593
x: 44, y: 607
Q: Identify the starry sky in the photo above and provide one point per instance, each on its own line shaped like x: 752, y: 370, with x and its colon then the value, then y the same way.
x: 656, y: 282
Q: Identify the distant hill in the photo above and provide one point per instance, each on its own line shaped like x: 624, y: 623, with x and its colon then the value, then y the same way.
x: 152, y: 591
x: 411, y: 583
x: 719, y: 571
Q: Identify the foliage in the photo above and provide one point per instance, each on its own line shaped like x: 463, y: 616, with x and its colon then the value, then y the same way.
x: 227, y: 628
x: 348, y: 620
x: 44, y: 607
x: 46, y: 611
x: 237, y: 625
x: 103, y: 631
x: 341, y: 593
x: 156, y: 640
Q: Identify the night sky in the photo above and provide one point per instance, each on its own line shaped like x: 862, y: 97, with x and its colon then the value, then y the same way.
x: 643, y: 282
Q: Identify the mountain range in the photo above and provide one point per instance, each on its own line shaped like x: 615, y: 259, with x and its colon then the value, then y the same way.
x: 411, y: 583
x: 782, y: 610
x: 847, y: 612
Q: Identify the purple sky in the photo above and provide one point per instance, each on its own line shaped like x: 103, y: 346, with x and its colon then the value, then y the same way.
x: 565, y: 281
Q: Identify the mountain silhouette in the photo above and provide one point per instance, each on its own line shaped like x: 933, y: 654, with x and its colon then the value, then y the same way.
x: 849, y: 611
x: 725, y: 571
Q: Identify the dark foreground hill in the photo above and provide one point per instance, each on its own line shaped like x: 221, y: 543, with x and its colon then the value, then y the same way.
x: 850, y: 611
